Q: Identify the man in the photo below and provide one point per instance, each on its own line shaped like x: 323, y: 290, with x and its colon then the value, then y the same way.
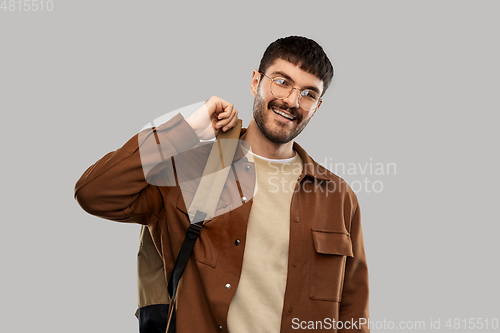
x: 291, y: 257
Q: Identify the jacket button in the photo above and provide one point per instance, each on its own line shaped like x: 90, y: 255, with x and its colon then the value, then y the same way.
x: 228, y: 286
x: 237, y: 242
x: 296, y: 219
x: 220, y: 327
x: 247, y: 167
x: 294, y: 264
x: 244, y: 199
x: 290, y: 309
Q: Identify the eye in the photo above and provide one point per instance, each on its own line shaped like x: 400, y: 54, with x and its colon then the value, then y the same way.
x: 281, y: 82
x: 309, y: 94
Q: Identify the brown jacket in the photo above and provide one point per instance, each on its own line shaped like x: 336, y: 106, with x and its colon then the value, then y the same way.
x: 327, y: 272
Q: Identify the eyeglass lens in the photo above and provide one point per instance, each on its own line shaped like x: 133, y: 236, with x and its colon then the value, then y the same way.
x: 281, y: 88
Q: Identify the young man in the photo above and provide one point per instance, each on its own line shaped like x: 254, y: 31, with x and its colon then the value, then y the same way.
x: 291, y: 257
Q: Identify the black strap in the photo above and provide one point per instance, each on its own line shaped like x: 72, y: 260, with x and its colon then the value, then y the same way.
x: 187, y: 247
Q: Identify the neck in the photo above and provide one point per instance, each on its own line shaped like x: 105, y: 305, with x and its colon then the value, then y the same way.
x: 261, y: 145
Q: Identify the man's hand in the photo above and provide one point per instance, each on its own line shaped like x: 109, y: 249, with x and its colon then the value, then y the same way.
x: 214, y: 115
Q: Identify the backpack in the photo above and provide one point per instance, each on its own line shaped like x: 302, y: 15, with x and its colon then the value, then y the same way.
x: 155, y: 294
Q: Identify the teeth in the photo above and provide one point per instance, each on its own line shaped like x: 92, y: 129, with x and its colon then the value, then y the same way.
x: 281, y: 113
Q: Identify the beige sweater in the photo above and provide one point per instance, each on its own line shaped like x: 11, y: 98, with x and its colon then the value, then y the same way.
x: 258, y: 300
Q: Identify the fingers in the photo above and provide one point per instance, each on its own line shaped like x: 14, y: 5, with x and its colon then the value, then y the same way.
x: 217, y: 105
x: 228, y: 121
x: 226, y: 114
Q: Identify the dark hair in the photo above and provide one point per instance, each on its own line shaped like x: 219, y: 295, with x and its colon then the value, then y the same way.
x: 300, y: 51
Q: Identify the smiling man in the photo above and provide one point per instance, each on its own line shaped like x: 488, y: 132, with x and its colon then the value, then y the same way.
x: 291, y: 255
x: 291, y: 107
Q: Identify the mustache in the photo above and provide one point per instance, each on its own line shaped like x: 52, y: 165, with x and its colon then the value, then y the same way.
x: 284, y: 106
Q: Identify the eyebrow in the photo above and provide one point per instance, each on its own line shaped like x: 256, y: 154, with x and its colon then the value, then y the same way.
x: 286, y: 76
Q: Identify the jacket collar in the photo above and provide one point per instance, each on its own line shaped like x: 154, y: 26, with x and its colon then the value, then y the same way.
x: 309, y: 166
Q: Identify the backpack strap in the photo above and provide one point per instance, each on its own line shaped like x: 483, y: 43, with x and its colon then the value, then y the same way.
x: 204, y: 204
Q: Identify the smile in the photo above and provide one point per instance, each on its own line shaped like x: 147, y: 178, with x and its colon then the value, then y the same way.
x: 283, y: 114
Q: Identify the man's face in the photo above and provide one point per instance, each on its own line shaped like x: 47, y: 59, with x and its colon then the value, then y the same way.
x: 275, y: 127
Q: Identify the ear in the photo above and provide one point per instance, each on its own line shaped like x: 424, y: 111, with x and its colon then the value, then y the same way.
x: 254, y: 82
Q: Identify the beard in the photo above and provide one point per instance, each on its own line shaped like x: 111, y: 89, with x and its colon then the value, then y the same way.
x: 274, y: 131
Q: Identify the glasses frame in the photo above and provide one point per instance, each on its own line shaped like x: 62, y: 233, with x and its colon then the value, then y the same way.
x: 320, y: 100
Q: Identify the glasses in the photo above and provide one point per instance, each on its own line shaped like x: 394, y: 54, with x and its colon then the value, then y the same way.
x: 281, y: 88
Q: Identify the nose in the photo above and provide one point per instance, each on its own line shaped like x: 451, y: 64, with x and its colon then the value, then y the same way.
x: 293, y: 99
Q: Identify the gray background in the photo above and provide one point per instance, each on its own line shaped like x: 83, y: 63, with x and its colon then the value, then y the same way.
x: 416, y: 84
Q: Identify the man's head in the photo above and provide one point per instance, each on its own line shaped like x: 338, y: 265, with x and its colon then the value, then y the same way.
x: 302, y: 52
x: 302, y: 66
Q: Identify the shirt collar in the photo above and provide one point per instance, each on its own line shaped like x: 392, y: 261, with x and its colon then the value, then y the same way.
x: 309, y: 166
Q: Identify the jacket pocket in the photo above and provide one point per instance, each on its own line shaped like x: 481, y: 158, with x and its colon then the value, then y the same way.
x: 186, y: 197
x: 328, y: 264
